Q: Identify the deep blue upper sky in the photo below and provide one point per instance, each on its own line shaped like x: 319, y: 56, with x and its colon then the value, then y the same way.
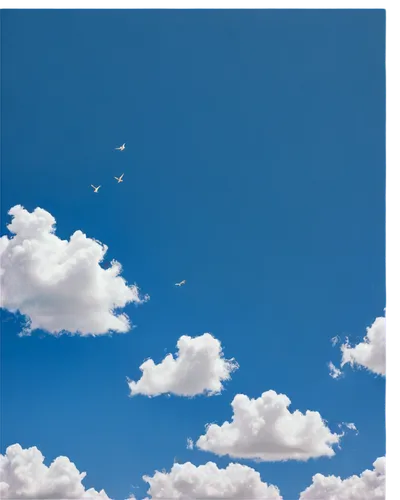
x: 254, y: 169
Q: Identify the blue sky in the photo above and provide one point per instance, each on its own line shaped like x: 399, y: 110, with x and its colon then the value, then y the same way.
x: 254, y: 168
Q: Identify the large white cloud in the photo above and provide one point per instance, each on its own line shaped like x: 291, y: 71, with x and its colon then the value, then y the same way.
x: 264, y: 429
x: 59, y: 285
x: 23, y: 475
x: 187, y: 482
x: 199, y: 368
x: 370, y: 485
x: 372, y: 353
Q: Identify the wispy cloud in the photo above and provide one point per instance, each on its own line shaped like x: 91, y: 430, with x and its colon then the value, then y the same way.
x: 335, y: 340
x: 334, y: 372
x: 351, y: 426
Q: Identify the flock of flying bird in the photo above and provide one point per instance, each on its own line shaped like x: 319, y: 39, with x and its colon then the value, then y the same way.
x: 119, y: 179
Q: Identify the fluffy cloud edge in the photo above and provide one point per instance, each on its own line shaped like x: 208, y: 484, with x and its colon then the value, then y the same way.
x: 24, y: 475
x: 263, y: 429
x: 198, y: 368
x: 57, y: 285
x: 190, y: 482
x: 370, y: 354
x: 368, y: 485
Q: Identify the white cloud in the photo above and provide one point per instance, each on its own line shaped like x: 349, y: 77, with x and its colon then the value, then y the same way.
x: 23, y: 475
x: 351, y: 426
x: 187, y: 482
x: 189, y: 444
x: 199, y: 368
x: 371, y: 352
x: 369, y: 485
x: 334, y: 372
x: 264, y: 429
x: 59, y: 285
x: 335, y: 340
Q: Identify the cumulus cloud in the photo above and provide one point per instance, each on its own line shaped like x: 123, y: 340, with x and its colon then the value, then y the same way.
x: 189, y: 444
x: 264, y: 429
x: 369, y: 485
x: 23, y: 475
x: 371, y: 352
x: 198, y: 368
x: 188, y: 482
x: 59, y: 285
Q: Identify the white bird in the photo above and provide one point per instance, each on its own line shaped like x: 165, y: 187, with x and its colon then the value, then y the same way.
x: 181, y: 283
x: 95, y: 188
x: 119, y: 179
x: 121, y: 148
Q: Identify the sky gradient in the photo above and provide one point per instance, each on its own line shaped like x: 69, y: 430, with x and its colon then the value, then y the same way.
x: 254, y: 169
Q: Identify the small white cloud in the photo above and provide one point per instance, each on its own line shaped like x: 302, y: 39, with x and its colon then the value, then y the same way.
x: 351, y: 426
x: 371, y: 352
x: 370, y: 485
x: 334, y: 372
x: 264, y: 429
x: 59, y: 285
x: 199, y: 368
x: 23, y: 475
x: 188, y: 482
x: 189, y: 444
x: 335, y: 340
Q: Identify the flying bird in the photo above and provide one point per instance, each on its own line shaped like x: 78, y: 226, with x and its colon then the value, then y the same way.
x: 119, y: 179
x: 121, y: 148
x: 95, y: 188
x: 181, y: 283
